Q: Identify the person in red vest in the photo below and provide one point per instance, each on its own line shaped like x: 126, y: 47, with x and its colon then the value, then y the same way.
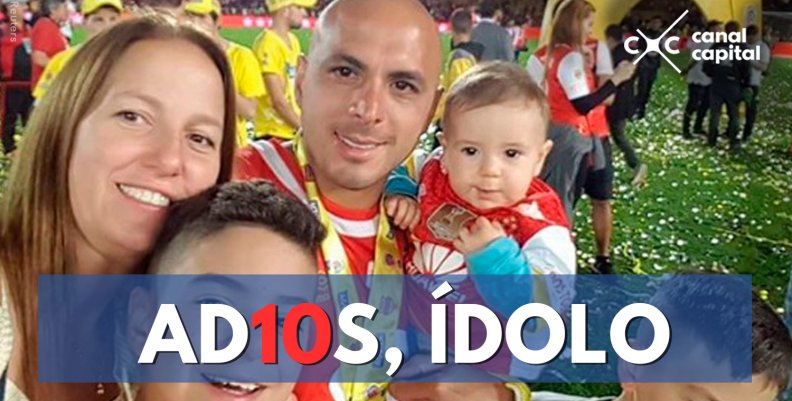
x: 569, y: 147
x: 577, y: 101
x: 15, y: 66
x: 46, y: 38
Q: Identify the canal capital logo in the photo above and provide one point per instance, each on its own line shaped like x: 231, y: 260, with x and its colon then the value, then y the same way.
x: 737, y: 49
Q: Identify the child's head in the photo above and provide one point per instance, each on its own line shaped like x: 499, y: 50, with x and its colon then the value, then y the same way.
x: 238, y: 228
x: 247, y: 228
x: 495, y: 139
x: 771, y: 352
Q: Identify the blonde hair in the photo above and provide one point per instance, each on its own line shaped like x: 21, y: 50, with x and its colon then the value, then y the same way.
x: 36, y: 214
x: 568, y: 22
x: 567, y: 27
x: 493, y: 83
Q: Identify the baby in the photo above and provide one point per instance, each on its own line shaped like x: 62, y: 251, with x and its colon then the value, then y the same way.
x: 480, y: 203
x: 481, y: 210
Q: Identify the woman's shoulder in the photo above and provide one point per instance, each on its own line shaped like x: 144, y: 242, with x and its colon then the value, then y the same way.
x: 9, y: 390
x: 12, y: 393
x: 6, y: 331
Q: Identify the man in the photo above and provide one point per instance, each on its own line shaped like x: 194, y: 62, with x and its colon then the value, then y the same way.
x: 464, y: 54
x: 619, y: 112
x: 729, y: 77
x: 648, y: 67
x: 244, y: 66
x: 278, y: 51
x: 46, y: 39
x: 758, y: 69
x: 365, y: 104
x: 497, y: 43
x: 97, y: 15
x: 16, y: 67
x: 698, y: 87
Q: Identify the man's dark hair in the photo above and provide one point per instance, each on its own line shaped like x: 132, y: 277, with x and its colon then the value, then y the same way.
x: 732, y: 26
x: 48, y: 5
x: 614, y: 32
x: 487, y: 8
x: 712, y: 24
x: 461, y: 21
x: 253, y: 203
x: 771, y: 346
x: 752, y: 30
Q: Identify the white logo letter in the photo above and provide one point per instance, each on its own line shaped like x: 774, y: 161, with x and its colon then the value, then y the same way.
x: 167, y: 318
x: 628, y: 47
x: 579, y: 352
x: 239, y: 333
x: 662, y: 334
x: 556, y: 334
x: 672, y: 49
x: 492, y: 341
x: 369, y: 344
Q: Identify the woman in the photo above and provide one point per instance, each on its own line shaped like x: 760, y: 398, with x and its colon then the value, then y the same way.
x: 577, y: 102
x: 143, y: 115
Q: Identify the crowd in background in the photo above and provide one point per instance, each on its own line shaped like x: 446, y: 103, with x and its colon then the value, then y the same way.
x: 515, y: 12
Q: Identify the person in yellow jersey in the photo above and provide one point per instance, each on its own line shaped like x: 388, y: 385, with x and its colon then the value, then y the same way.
x: 464, y: 53
x: 278, y: 51
x: 97, y: 15
x: 244, y: 66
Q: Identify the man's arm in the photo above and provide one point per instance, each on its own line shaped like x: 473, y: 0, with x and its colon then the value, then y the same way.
x: 764, y: 60
x: 246, y: 107
x: 601, y: 81
x: 250, y: 85
x: 692, y: 63
x: 40, y: 58
x: 275, y: 90
x: 44, y: 41
x: 759, y: 65
x: 508, y: 47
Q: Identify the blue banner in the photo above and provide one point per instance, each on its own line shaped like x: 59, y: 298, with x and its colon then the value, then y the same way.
x: 281, y: 328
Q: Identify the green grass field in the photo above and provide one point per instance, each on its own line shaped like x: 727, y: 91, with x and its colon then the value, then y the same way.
x: 701, y: 208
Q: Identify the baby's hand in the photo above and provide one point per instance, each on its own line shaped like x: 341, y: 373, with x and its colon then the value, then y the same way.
x: 403, y: 210
x: 478, y: 236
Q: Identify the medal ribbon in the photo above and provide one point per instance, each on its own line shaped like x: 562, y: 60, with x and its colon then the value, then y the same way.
x: 386, y: 293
